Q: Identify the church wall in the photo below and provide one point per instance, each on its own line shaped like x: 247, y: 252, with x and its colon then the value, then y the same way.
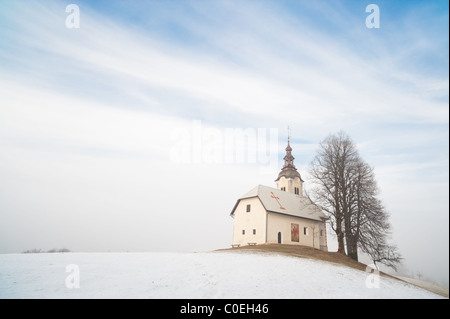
x: 249, y: 221
x: 289, y: 184
x: 283, y: 223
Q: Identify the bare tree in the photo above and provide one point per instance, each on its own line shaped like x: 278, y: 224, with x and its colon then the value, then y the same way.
x: 369, y: 227
x: 330, y: 171
x: 384, y: 253
x: 367, y: 218
x: 344, y: 187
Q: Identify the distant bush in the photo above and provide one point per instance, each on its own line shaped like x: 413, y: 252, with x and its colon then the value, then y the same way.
x: 60, y: 250
x: 39, y: 251
x: 33, y: 251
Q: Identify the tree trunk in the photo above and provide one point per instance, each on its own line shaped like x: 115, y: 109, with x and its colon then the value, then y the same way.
x: 340, y: 237
x: 355, y: 252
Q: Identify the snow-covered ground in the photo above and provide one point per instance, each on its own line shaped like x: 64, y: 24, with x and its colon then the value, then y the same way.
x: 430, y: 286
x: 189, y: 275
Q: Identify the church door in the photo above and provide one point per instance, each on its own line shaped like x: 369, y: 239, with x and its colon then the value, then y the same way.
x: 279, y: 237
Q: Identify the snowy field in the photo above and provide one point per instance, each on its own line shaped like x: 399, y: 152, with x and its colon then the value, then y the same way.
x: 189, y: 275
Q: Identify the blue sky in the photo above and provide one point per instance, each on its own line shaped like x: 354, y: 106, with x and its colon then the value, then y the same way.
x: 88, y: 115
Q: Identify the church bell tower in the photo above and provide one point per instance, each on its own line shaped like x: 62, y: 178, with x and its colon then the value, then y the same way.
x: 289, y: 179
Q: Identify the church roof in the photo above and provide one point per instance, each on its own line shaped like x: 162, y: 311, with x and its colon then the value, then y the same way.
x: 289, y: 173
x: 278, y: 201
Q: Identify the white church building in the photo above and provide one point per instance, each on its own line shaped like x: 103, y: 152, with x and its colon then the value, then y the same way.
x: 283, y: 215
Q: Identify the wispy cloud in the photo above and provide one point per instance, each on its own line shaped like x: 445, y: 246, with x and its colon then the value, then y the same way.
x: 277, y: 66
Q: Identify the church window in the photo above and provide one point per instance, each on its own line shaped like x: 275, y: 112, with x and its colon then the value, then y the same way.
x: 296, y: 190
x: 305, y: 230
x: 248, y: 208
x: 283, y: 188
x: 243, y: 232
x: 254, y: 231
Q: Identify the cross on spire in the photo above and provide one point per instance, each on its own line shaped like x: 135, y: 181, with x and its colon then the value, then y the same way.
x: 289, y: 133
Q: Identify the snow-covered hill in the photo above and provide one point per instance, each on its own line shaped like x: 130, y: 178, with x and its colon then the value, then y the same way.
x: 189, y: 275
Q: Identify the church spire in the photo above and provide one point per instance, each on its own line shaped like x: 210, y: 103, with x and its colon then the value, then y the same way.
x: 289, y: 159
x: 289, y: 178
